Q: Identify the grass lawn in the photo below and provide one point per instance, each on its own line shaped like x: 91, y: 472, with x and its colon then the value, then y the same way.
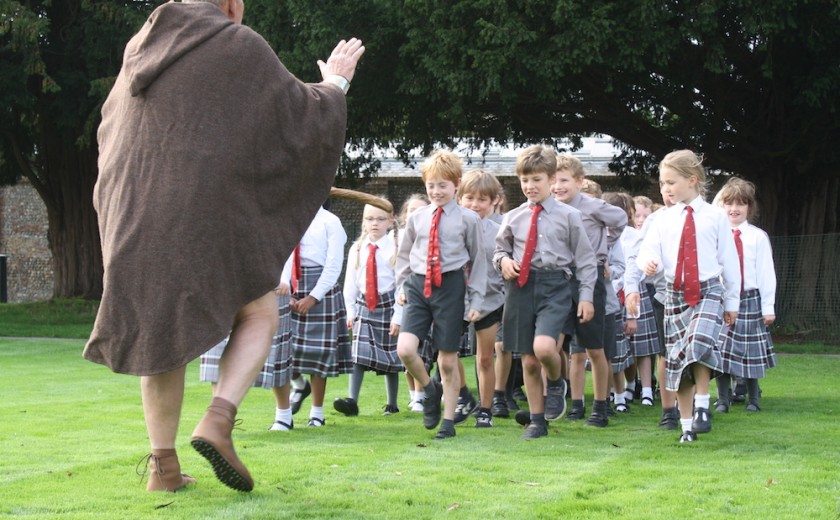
x: 72, y: 433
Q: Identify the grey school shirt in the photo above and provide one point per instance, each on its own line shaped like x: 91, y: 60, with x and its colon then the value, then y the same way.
x: 461, y: 242
x: 561, y: 242
x: 494, y: 294
x: 598, y: 215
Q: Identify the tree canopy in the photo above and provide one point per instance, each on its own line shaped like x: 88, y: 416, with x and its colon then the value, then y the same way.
x: 752, y: 84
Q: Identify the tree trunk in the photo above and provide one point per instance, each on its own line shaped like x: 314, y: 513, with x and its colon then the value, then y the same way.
x: 73, y: 234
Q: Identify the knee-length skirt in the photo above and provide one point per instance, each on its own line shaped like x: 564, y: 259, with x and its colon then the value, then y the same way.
x: 622, y: 357
x: 277, y: 369
x: 645, y: 342
x: 373, y: 346
x: 692, y: 333
x: 320, y: 338
x: 747, y: 348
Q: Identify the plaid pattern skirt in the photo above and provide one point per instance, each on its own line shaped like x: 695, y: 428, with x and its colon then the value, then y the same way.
x: 645, y: 342
x: 747, y: 348
x: 373, y: 346
x: 623, y: 356
x: 320, y: 339
x: 692, y: 333
x: 277, y: 369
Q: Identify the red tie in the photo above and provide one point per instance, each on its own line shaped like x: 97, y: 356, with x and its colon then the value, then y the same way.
x: 297, y: 272
x: 740, y: 247
x: 433, y: 274
x: 621, y: 297
x: 530, y: 246
x: 687, y: 269
x: 371, y: 291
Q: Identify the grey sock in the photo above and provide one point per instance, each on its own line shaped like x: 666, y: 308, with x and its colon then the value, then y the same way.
x: 724, y: 387
x: 538, y: 418
x: 392, y: 384
x: 447, y: 425
x: 356, y: 378
x: 578, y: 403
x: 752, y: 390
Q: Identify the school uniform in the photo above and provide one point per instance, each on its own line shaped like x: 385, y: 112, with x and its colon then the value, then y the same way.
x: 616, y: 345
x: 747, y: 348
x: 597, y: 215
x: 277, y: 369
x: 373, y: 346
x: 460, y: 243
x: 320, y: 339
x: 648, y: 339
x: 692, y: 333
x: 562, y: 246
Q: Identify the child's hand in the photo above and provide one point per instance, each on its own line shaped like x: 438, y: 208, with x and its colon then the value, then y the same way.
x: 401, y: 298
x: 283, y: 289
x: 473, y: 315
x: 651, y: 267
x: 630, y: 326
x: 585, y: 311
x: 631, y: 303
x: 303, y: 306
x: 729, y: 317
x: 769, y: 319
x: 394, y: 330
x: 510, y: 269
x: 350, y: 323
x: 606, y: 272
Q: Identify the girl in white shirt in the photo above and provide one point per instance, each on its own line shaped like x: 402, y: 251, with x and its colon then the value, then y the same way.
x: 747, y: 348
x: 372, y: 312
x: 697, y: 305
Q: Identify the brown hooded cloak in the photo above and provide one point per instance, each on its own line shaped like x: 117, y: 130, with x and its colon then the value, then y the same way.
x: 213, y: 159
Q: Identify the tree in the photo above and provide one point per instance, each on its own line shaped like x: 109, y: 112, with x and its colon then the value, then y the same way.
x: 57, y: 62
x: 754, y: 85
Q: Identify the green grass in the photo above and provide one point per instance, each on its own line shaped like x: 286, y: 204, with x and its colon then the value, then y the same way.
x: 71, y: 433
x: 57, y: 318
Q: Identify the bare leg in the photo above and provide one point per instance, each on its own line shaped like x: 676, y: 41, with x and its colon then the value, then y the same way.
x: 545, y: 349
x: 577, y: 374
x: 162, y: 396
x: 245, y: 354
x: 600, y: 373
x: 281, y: 396
x: 485, y: 345
x: 319, y: 388
x: 645, y: 371
x: 685, y: 398
x: 532, y: 373
x: 407, y: 345
x: 502, y: 367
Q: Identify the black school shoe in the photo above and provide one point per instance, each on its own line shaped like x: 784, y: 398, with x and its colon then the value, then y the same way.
x: 483, y: 420
x: 299, y: 395
x: 670, y: 419
x: 346, y: 406
x: 535, y: 431
x: 597, y: 419
x: 576, y: 414
x: 464, y: 408
x: 687, y: 437
x: 555, y: 401
x: 389, y: 410
x: 522, y: 417
x: 445, y: 434
x: 500, y: 407
x: 702, y: 421
x: 431, y: 408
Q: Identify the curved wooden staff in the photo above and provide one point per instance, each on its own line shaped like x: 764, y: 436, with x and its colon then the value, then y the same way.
x: 363, y: 198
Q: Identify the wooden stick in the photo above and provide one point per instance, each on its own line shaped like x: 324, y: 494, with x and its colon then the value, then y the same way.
x: 363, y: 198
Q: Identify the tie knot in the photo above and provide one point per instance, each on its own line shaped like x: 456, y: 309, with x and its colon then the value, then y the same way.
x: 689, y: 209
x: 536, y: 208
x: 372, y: 247
x: 736, y: 232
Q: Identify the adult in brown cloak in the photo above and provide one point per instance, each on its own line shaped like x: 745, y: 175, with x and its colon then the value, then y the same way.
x: 213, y: 159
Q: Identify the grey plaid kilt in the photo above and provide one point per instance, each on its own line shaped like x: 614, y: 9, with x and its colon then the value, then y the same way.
x: 277, y: 369
x: 645, y: 342
x: 373, y: 346
x: 320, y: 339
x: 747, y: 349
x: 623, y: 356
x: 692, y: 333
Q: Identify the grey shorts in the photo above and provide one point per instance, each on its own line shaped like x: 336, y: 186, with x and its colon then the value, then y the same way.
x: 589, y: 335
x: 537, y: 309
x: 445, y: 307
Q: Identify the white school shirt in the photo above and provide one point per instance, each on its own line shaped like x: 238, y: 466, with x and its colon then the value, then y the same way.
x: 321, y: 245
x: 759, y: 270
x: 716, y: 254
x: 355, y: 279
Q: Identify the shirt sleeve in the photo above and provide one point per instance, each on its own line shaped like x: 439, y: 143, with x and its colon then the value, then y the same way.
x: 336, y: 238
x: 586, y: 270
x: 351, y: 290
x: 477, y: 283
x: 403, y: 266
x: 727, y: 256
x: 765, y: 271
x: 286, y: 275
x: 504, y: 243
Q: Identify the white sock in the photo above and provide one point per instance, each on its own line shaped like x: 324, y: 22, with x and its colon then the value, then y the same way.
x: 299, y: 383
x: 686, y: 425
x: 647, y: 392
x: 701, y: 401
x: 283, y: 415
x: 419, y: 395
x: 619, y: 398
x: 630, y: 386
x: 317, y: 412
x: 413, y: 395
